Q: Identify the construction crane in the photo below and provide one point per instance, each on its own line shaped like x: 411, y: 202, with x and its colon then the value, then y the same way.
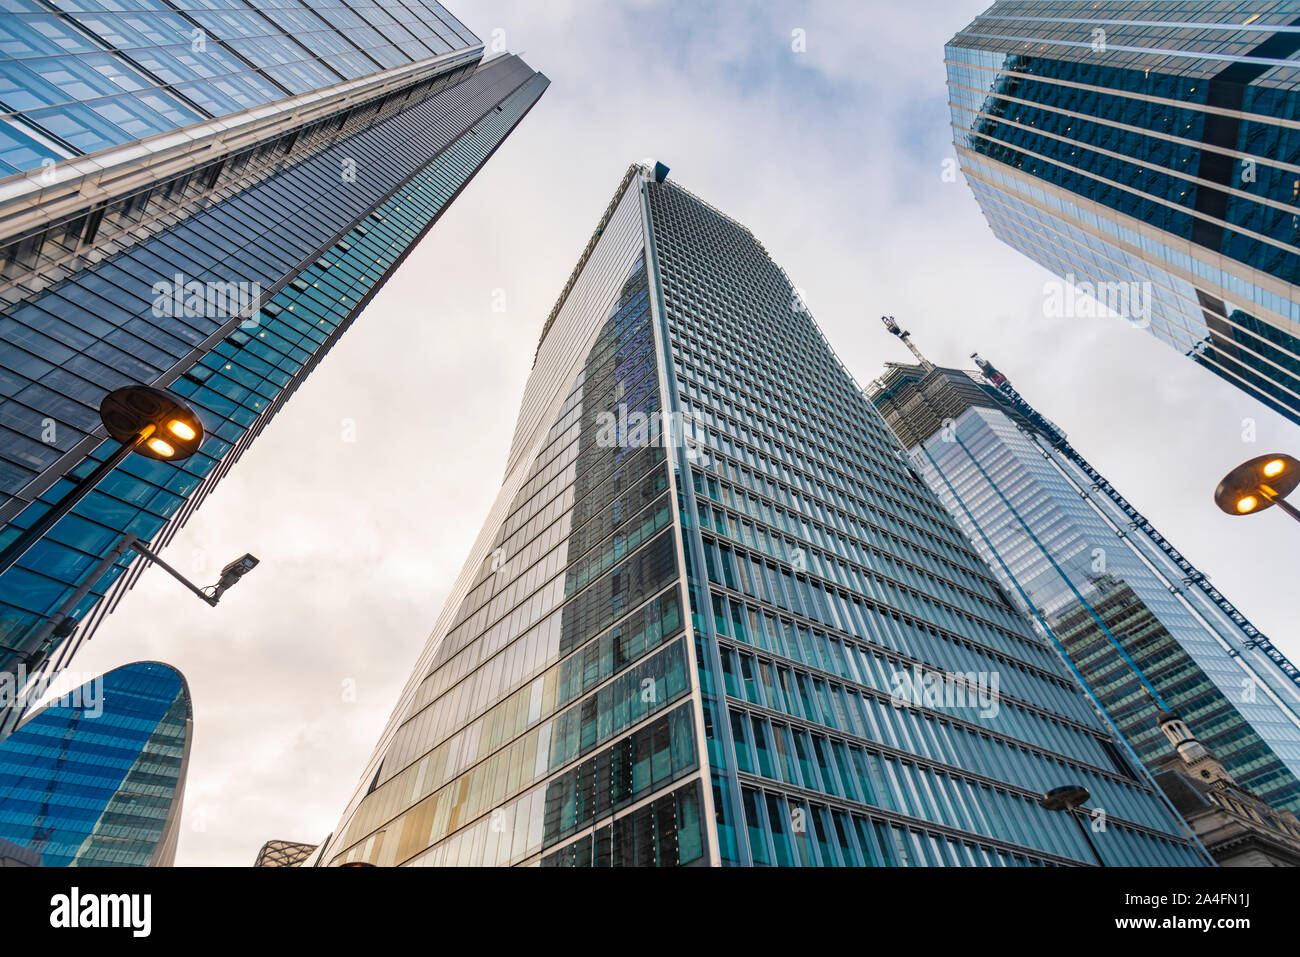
x: 906, y: 336
x: 1137, y: 521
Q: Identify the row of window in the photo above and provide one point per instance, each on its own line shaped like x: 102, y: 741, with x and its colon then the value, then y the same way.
x: 791, y: 832
x: 868, y: 621
x: 668, y: 832
x: 471, y: 641
x: 991, y: 622
x: 774, y: 685
x: 462, y: 787
x: 834, y: 530
x: 82, y: 240
x: 488, y: 692
x: 559, y: 482
x: 647, y: 760
x: 842, y: 768
x: 64, y: 75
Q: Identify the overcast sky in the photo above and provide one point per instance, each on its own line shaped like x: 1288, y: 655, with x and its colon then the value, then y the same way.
x: 834, y: 158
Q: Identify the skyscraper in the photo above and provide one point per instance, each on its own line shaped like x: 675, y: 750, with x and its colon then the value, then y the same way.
x: 714, y: 618
x: 202, y: 200
x: 1147, y: 153
x: 1146, y: 631
x: 96, y: 778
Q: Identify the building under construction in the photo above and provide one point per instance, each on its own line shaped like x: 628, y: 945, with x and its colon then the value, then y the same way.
x: 1142, y: 628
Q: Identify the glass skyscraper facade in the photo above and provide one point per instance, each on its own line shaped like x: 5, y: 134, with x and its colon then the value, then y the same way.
x: 1148, y: 151
x: 1144, y: 632
x: 686, y: 632
x: 80, y: 76
x: 202, y: 197
x: 96, y: 778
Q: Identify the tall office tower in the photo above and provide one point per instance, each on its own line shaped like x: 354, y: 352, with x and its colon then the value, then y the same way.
x: 1147, y: 152
x: 713, y: 617
x: 1145, y: 630
x: 201, y: 200
x: 96, y: 778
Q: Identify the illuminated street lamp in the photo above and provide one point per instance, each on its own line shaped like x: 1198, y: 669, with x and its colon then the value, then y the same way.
x: 1261, y: 483
x: 62, y: 624
x: 1070, y: 798
x: 144, y: 420
x: 148, y: 422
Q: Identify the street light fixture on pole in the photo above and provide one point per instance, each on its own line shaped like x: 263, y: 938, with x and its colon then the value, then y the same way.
x: 61, y: 624
x: 1070, y: 798
x: 144, y: 420
x: 1261, y: 483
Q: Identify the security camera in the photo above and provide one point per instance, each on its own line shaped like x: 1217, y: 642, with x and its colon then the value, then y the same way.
x: 238, y: 568
x: 233, y: 573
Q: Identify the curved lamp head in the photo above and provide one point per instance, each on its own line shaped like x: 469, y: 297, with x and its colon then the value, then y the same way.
x: 1065, y: 798
x: 173, y: 429
x: 1256, y: 485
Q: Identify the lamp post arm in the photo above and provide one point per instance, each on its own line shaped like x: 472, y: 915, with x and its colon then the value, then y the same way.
x: 124, y: 545
x: 1289, y: 509
x: 153, y: 557
x: 1280, y: 502
x: 1078, y: 815
x: 32, y: 655
x: 9, y: 557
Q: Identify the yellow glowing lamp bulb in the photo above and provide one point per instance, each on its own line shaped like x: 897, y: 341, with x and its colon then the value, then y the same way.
x: 1274, y: 468
x: 162, y: 448
x: 1247, y: 504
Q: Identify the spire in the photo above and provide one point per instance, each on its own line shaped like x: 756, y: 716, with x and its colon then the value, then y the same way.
x: 1195, y: 755
x: 906, y: 336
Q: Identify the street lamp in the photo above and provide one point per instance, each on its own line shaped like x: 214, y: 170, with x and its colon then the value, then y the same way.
x: 1069, y: 798
x: 62, y: 624
x: 143, y: 420
x: 1261, y: 483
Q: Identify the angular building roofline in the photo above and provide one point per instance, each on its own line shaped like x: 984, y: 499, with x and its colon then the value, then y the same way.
x: 631, y: 173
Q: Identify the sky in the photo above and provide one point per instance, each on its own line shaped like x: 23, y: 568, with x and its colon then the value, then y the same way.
x: 364, y: 495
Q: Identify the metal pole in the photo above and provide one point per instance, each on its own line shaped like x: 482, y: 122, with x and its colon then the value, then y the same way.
x: 1284, y: 506
x: 1083, y: 829
x: 12, y: 713
x: 124, y: 545
x: 210, y: 599
x: 39, y: 528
